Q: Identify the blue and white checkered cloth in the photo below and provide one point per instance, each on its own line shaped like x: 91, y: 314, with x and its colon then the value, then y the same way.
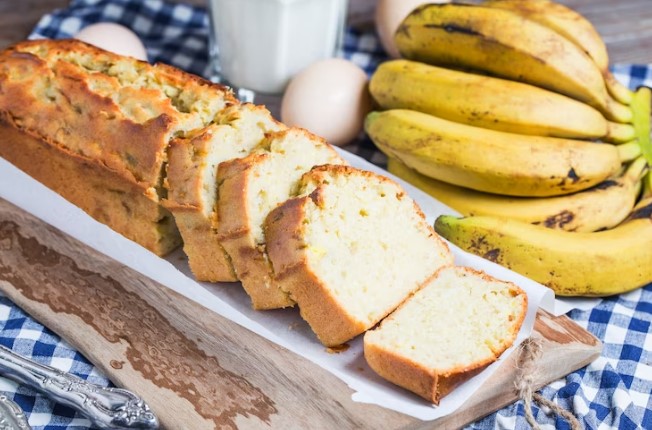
x: 612, y: 392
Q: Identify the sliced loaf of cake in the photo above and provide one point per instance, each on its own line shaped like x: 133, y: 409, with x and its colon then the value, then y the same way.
x: 249, y: 188
x: 350, y: 250
x: 450, y: 330
x: 106, y: 120
x: 193, y: 162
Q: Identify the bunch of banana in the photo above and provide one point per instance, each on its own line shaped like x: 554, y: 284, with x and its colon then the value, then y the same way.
x: 507, y: 112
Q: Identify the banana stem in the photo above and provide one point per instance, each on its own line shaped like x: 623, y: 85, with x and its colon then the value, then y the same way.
x: 642, y: 110
x: 647, y: 186
x: 629, y: 151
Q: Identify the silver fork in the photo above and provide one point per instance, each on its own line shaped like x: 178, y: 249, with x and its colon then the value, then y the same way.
x: 12, y: 416
x: 106, y: 408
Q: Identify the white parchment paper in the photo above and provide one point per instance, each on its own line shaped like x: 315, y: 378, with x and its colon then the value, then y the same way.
x: 284, y: 327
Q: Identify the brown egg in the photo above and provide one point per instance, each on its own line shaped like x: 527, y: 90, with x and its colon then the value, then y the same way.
x: 330, y: 98
x: 115, y: 38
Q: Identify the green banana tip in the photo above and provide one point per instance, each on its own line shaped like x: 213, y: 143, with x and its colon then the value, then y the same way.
x: 446, y: 220
x: 370, y: 118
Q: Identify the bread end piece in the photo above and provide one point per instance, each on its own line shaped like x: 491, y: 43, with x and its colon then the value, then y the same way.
x: 461, y: 321
x: 105, y: 195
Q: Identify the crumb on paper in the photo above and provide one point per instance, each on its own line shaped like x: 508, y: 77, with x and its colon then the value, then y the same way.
x: 293, y: 326
x: 337, y: 349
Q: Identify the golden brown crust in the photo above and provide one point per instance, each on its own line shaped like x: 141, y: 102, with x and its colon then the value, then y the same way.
x: 286, y: 249
x: 284, y: 235
x: 56, y: 101
x: 402, y: 372
x: 126, y: 126
x: 414, y: 377
x: 123, y: 205
x: 165, y: 72
x: 207, y: 258
x: 248, y: 258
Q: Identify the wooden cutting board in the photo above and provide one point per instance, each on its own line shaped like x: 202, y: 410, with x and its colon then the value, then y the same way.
x: 198, y: 370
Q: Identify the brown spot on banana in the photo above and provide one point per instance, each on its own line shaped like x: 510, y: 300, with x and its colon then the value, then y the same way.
x: 641, y: 213
x: 558, y: 220
x: 492, y: 255
x: 452, y: 28
x: 572, y: 175
x: 605, y: 185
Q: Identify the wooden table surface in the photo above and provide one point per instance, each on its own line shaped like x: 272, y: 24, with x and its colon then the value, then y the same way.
x: 625, y: 25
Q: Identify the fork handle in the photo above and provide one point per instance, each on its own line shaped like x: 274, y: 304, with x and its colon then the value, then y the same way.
x: 106, y: 408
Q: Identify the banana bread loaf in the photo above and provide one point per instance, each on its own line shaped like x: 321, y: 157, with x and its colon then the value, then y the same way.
x: 193, y: 162
x: 249, y: 188
x: 106, y: 121
x: 350, y: 250
x: 447, y: 332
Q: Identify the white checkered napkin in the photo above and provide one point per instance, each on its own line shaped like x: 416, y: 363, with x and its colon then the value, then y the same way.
x: 19, y: 332
x: 613, y: 392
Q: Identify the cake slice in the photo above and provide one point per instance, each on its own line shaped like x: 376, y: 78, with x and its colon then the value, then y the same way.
x: 193, y: 162
x: 457, y: 324
x: 249, y: 188
x: 350, y: 250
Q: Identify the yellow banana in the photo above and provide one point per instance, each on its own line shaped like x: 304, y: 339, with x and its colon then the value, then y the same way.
x: 572, y: 264
x: 619, y: 133
x: 504, y: 44
x: 487, y: 102
x: 629, y: 151
x: 601, y: 207
x: 492, y: 161
x: 574, y: 27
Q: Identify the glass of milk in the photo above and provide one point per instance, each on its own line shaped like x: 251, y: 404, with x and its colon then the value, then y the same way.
x: 259, y: 45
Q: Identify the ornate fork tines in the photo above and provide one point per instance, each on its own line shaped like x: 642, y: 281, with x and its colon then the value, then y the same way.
x: 12, y: 416
x: 106, y: 408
